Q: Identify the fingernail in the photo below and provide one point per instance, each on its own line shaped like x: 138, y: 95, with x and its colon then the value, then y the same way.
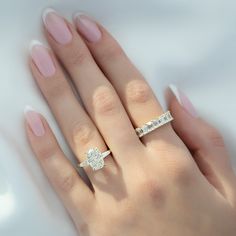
x: 183, y: 100
x: 57, y: 26
x: 34, y: 121
x: 87, y: 27
x: 42, y: 59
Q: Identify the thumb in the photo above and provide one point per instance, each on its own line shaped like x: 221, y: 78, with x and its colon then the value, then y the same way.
x: 205, y: 143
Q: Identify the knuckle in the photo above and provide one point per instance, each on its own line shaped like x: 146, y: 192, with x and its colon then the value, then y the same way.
x: 181, y: 172
x: 67, y: 181
x: 82, y: 133
x: 105, y: 101
x: 152, y: 190
x: 47, y: 151
x: 111, y: 51
x: 77, y: 57
x: 138, y: 91
x: 56, y: 90
x: 177, y: 163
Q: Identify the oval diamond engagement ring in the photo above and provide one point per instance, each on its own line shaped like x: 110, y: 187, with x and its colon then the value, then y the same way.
x: 95, y: 159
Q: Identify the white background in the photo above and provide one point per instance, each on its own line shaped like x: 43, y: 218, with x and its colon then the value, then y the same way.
x: 191, y: 43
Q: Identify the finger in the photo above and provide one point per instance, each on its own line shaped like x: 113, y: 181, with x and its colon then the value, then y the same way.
x: 97, y: 94
x: 136, y: 95
x: 75, y: 194
x: 205, y: 143
x: 77, y: 127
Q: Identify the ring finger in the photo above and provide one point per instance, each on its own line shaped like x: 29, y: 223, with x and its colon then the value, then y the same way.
x: 77, y: 127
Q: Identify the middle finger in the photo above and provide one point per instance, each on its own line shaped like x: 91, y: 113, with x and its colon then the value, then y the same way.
x: 137, y: 96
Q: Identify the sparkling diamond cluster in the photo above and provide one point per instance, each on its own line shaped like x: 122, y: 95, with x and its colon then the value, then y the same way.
x: 154, y: 124
x: 94, y: 159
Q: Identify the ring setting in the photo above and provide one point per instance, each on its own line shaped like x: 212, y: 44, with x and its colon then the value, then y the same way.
x: 95, y: 159
x: 154, y: 124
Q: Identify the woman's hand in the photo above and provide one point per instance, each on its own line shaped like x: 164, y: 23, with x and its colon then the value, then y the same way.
x: 173, y: 181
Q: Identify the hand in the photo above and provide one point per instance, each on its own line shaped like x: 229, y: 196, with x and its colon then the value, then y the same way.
x: 174, y: 181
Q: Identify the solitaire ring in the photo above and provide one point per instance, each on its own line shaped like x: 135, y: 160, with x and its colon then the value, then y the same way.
x: 95, y: 159
x: 154, y: 124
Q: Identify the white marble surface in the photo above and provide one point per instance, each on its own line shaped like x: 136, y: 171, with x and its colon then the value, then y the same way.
x: 186, y: 42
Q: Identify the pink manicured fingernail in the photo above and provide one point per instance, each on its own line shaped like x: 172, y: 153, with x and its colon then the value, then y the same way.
x: 87, y: 27
x: 42, y: 59
x: 34, y: 121
x: 57, y: 26
x: 183, y: 100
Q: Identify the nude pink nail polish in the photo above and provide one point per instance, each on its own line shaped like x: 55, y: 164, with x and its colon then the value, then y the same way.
x: 42, y: 59
x: 87, y: 27
x: 187, y: 104
x: 34, y: 121
x: 57, y: 26
x: 183, y: 100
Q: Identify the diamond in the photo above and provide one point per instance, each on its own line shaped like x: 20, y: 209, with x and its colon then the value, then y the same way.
x: 94, y: 159
x: 145, y: 129
x: 149, y: 125
x: 155, y: 123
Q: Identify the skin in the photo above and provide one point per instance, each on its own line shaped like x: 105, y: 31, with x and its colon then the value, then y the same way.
x: 177, y: 180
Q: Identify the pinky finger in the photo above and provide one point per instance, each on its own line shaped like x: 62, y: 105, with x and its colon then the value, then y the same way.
x: 75, y: 194
x: 206, y: 145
